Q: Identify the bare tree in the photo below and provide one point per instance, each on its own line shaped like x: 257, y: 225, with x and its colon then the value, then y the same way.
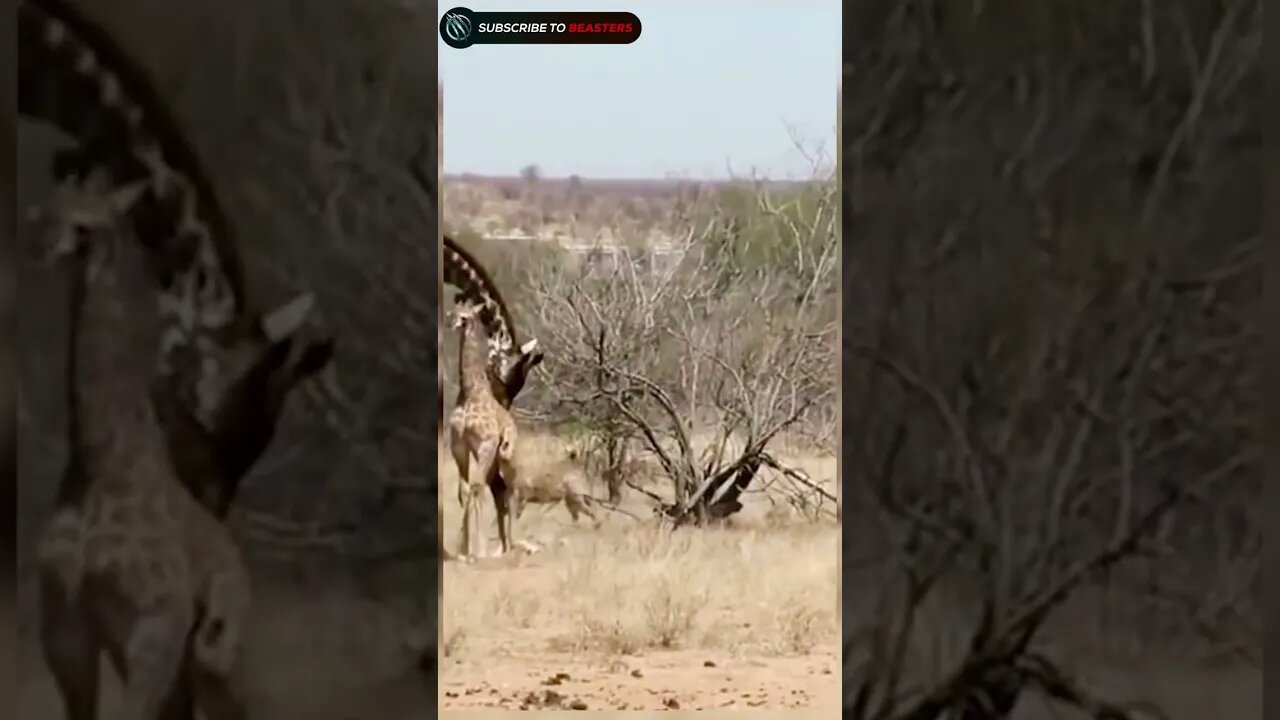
x: 707, y: 360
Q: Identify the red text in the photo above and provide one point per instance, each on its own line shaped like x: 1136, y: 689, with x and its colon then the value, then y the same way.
x: 599, y: 27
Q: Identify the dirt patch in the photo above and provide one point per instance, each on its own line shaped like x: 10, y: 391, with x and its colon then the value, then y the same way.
x: 670, y: 680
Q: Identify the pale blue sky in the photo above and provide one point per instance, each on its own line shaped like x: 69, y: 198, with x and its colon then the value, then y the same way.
x: 710, y: 84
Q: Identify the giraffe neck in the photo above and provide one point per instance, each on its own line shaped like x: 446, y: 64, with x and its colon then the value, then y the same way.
x: 73, y: 76
x: 113, y: 365
x: 473, y: 366
x: 464, y: 271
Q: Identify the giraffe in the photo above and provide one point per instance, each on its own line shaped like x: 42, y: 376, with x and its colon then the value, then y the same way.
x: 135, y: 564
x: 225, y: 367
x: 508, y: 366
x: 74, y: 77
x: 482, y: 427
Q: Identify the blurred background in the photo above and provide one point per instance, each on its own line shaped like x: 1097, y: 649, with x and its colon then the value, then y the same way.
x: 1052, y: 462
x: 306, y: 116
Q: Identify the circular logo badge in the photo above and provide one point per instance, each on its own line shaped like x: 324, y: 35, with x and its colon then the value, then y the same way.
x: 456, y: 27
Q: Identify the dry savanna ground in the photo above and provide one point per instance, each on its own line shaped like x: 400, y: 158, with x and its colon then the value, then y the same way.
x: 629, y: 616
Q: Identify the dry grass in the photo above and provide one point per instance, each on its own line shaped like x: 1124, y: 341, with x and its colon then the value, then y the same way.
x: 766, y: 585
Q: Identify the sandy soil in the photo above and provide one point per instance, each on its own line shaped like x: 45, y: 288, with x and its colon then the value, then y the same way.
x: 681, y: 679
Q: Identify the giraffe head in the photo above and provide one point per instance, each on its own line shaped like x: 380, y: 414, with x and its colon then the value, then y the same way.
x: 260, y: 354
x: 77, y: 209
x: 465, y: 316
x: 263, y: 359
x: 507, y: 368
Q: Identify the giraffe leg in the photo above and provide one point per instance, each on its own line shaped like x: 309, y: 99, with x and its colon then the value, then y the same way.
x: 464, y: 533
x: 487, y: 459
x: 501, y: 493
x: 470, y: 544
x: 461, y: 458
x: 154, y: 652
x: 70, y: 649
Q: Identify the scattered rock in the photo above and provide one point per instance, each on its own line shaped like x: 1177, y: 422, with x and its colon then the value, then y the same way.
x: 577, y: 705
x: 708, y: 663
x: 548, y: 699
x: 636, y: 673
x: 671, y: 703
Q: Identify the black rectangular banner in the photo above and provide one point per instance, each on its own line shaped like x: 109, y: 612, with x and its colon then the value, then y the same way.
x: 462, y: 27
